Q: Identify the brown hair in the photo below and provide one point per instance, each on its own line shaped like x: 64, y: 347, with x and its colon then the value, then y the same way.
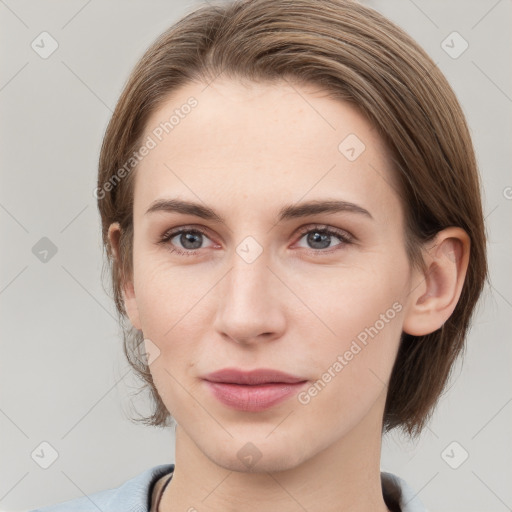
x: 357, y: 55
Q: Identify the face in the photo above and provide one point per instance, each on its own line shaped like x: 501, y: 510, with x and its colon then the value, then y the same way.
x: 263, y: 283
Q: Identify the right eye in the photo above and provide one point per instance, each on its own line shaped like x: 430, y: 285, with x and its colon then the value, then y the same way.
x: 190, y: 239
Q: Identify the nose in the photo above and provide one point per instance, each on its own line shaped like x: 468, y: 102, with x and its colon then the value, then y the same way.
x: 251, y: 306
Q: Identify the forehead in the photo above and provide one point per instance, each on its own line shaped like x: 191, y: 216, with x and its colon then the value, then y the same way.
x: 265, y: 142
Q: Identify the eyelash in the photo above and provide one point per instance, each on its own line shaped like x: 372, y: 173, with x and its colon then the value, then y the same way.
x: 345, y: 238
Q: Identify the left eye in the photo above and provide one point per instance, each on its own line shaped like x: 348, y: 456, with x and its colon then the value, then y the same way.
x: 320, y: 237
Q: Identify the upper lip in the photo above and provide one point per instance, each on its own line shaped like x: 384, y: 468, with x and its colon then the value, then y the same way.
x: 258, y: 376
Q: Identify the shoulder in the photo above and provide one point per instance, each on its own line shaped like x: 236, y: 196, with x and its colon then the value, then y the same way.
x: 399, y: 494
x: 132, y: 496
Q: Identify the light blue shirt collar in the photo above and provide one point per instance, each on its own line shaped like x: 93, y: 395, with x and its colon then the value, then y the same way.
x: 135, y: 495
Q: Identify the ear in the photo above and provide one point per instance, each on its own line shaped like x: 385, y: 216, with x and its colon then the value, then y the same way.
x: 127, y: 288
x: 436, y: 291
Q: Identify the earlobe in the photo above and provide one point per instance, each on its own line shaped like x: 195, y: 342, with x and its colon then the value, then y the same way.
x: 436, y: 291
x: 127, y: 288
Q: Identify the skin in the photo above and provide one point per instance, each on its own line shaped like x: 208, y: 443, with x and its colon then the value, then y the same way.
x: 245, y: 151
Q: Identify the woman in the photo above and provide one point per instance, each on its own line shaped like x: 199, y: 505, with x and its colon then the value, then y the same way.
x: 291, y: 207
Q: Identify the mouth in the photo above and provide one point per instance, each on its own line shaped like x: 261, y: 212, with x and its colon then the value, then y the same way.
x: 252, y: 391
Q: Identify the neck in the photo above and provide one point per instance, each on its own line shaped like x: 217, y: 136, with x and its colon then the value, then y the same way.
x: 343, y: 477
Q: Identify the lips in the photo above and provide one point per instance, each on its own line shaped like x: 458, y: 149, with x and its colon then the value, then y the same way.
x: 252, y: 391
x: 258, y: 376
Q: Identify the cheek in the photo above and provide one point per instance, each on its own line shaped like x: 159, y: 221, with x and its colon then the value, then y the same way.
x: 171, y: 301
x: 346, y: 301
x: 165, y: 293
x: 169, y: 312
x: 362, y: 314
x: 352, y: 373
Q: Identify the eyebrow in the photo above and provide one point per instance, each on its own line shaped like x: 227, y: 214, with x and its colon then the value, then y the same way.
x: 287, y: 212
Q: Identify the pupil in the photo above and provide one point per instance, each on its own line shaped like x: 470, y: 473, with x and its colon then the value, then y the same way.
x: 189, y: 237
x: 314, y: 238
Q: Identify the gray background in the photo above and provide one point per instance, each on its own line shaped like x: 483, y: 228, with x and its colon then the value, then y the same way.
x: 64, y: 379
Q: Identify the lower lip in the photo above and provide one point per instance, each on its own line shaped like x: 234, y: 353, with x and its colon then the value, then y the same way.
x: 253, y: 398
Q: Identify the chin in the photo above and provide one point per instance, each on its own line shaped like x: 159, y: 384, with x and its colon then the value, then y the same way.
x: 258, y: 456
